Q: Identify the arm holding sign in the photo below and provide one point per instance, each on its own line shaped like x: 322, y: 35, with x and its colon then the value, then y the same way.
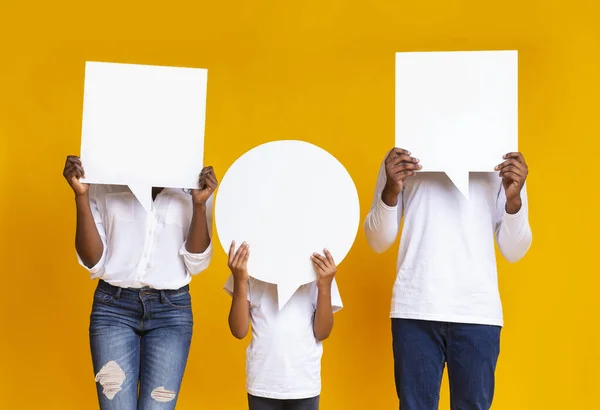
x: 382, y: 222
x: 326, y: 270
x: 198, y: 238
x: 89, y: 236
x: 239, y: 314
x: 197, y: 249
x: 513, y: 232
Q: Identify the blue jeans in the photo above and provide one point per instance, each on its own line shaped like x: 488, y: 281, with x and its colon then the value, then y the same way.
x: 139, y: 338
x: 421, y: 348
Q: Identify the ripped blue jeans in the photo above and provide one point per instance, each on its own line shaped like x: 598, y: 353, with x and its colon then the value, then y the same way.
x: 140, y: 340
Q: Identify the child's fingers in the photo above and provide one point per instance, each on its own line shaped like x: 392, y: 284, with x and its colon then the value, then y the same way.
x: 318, y: 269
x: 318, y: 260
x: 231, y: 254
x: 329, y: 257
x: 246, y: 254
x: 242, y: 252
x: 238, y: 255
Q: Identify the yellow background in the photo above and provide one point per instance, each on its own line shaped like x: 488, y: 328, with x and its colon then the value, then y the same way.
x: 322, y: 71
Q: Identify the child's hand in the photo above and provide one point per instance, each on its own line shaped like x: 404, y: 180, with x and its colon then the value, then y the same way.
x: 325, y: 268
x: 238, y: 261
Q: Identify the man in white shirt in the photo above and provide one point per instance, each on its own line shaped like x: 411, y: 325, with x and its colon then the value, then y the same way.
x: 446, y: 307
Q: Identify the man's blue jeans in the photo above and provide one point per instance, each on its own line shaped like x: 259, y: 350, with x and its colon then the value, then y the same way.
x: 139, y: 338
x: 422, y: 348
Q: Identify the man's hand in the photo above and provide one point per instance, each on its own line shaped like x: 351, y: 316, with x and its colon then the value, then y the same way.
x: 207, y: 184
x: 72, y: 172
x: 514, y: 172
x: 238, y: 262
x: 325, y: 268
x: 399, y: 165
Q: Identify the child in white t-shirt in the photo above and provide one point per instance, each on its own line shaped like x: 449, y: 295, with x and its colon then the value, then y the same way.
x: 283, y: 360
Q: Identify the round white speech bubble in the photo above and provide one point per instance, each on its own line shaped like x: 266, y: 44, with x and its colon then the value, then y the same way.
x: 287, y: 200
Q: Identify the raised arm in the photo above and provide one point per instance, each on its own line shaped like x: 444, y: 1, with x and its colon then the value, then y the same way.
x: 382, y: 222
x: 326, y: 270
x: 198, y: 238
x: 239, y: 314
x: 88, y: 241
x: 513, y: 232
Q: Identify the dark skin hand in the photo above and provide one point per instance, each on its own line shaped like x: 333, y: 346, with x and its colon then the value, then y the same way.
x: 87, y: 239
x: 326, y: 270
x: 513, y: 171
x: 399, y: 165
x: 239, y: 313
x: 198, y: 238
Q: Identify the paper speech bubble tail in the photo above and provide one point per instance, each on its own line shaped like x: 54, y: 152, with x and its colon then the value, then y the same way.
x: 285, y: 293
x: 461, y: 180
x: 143, y: 193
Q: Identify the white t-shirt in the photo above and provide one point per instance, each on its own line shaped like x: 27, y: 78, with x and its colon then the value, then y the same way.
x: 446, y: 263
x: 283, y: 360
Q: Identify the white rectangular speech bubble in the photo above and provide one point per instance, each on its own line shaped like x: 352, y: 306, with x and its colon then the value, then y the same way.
x: 143, y: 126
x: 457, y: 111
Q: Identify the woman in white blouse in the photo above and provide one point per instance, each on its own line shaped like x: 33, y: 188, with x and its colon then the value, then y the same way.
x: 141, y: 321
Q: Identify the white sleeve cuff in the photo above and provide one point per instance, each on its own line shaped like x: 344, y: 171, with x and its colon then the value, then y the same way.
x: 96, y: 270
x: 385, y: 207
x: 196, y: 262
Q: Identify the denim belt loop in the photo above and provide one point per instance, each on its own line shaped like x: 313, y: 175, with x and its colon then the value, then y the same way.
x: 118, y: 294
x: 162, y: 296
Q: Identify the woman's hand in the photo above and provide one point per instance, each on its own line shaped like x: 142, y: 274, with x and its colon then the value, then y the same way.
x: 72, y: 172
x: 207, y: 185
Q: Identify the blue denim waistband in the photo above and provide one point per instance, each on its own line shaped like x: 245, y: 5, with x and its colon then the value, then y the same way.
x: 118, y: 292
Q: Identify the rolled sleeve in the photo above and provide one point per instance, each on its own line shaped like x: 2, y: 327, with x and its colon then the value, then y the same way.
x: 336, y: 299
x: 97, y: 270
x: 196, y: 262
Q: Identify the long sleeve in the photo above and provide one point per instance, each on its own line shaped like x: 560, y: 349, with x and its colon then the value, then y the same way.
x: 382, y: 222
x: 513, y: 232
x: 198, y: 262
x: 97, y: 270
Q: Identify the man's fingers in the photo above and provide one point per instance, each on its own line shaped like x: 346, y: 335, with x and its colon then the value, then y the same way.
x: 404, y: 166
x: 513, y: 162
x: 516, y: 155
x: 512, y: 176
x: 403, y: 158
x: 396, y: 152
x: 401, y: 175
x: 514, y: 169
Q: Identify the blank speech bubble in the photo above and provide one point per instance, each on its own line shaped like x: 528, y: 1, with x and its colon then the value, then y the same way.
x: 287, y: 200
x: 143, y: 126
x: 457, y: 111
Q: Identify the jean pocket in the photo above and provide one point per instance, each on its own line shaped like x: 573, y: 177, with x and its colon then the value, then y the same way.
x: 103, y: 297
x: 180, y: 301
